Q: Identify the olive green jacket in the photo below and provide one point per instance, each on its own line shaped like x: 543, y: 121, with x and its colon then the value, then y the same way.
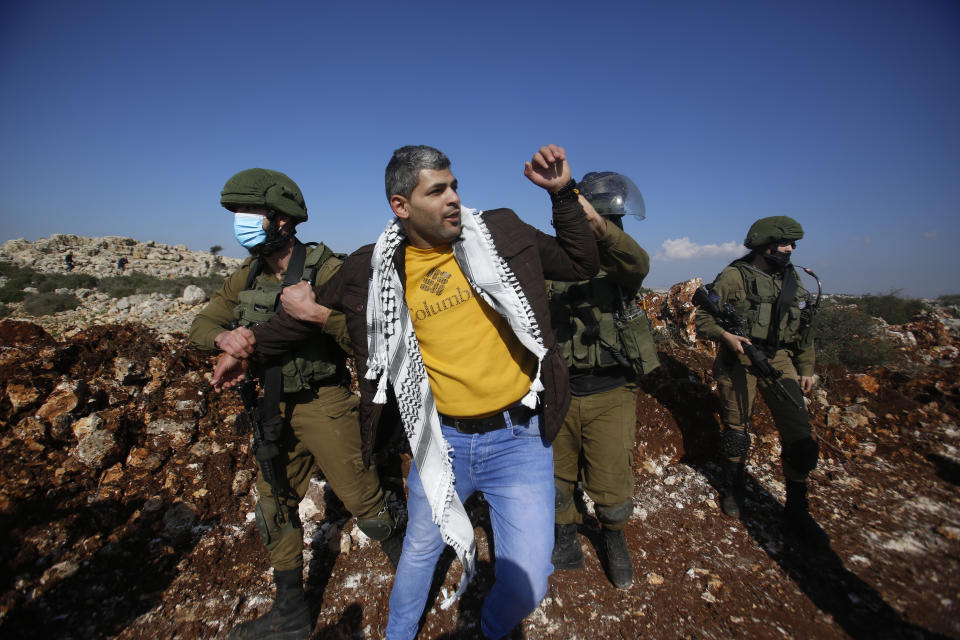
x: 732, y: 288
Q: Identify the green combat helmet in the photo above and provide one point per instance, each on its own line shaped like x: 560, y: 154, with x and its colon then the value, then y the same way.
x: 264, y: 188
x: 612, y: 194
x: 768, y: 230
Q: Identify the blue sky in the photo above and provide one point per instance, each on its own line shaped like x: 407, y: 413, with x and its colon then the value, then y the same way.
x: 125, y: 118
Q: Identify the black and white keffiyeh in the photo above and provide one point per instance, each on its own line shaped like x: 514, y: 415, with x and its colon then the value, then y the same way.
x: 395, y: 358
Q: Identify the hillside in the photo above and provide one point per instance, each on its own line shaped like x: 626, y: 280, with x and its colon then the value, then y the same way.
x: 126, y: 503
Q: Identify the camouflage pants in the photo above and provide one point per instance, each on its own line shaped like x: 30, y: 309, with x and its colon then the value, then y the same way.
x: 738, y: 389
x: 323, y: 428
x: 596, y: 442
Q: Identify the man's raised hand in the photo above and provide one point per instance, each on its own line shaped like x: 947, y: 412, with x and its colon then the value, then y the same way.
x: 548, y: 168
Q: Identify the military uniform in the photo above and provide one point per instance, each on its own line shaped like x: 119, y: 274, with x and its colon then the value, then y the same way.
x: 605, y: 339
x: 773, y: 306
x: 307, y: 415
x: 753, y: 293
x: 321, y: 412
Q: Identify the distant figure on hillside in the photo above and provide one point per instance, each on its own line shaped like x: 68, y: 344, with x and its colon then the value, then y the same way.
x: 121, y: 265
x: 307, y: 411
x: 764, y: 290
x: 605, y: 339
x: 68, y: 261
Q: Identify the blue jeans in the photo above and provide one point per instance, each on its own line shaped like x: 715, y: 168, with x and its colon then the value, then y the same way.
x: 513, y: 468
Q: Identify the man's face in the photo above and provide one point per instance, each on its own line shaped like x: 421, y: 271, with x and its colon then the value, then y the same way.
x: 279, y: 230
x: 781, y: 246
x: 431, y: 215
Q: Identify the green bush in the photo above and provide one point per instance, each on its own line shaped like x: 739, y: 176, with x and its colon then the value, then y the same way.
x: 892, y: 307
x: 4, y: 310
x: 11, y: 294
x: 952, y: 303
x: 121, y: 286
x: 44, y: 304
x: 846, y: 335
x: 18, y: 278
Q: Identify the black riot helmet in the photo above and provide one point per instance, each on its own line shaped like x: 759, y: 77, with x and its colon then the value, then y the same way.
x: 612, y: 194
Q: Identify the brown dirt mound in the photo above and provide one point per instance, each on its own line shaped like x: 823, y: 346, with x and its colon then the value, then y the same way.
x: 125, y: 499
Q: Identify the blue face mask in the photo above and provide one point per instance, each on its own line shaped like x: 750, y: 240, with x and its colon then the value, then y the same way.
x: 248, y: 229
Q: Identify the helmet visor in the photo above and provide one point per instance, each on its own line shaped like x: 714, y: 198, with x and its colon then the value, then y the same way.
x: 613, y: 194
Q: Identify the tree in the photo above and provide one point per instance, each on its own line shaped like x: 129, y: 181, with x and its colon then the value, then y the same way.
x: 215, y: 249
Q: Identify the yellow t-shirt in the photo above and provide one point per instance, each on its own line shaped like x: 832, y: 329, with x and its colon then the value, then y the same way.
x: 475, y: 362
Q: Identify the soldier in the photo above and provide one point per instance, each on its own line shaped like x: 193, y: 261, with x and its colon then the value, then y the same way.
x: 605, y: 339
x: 306, y: 387
x: 764, y: 289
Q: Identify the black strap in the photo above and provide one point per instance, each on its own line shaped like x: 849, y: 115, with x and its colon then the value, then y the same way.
x: 295, y: 267
x: 273, y: 377
x: 253, y: 273
x: 780, y: 308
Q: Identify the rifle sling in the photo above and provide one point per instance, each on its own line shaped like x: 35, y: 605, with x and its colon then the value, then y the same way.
x: 788, y: 291
x: 273, y: 375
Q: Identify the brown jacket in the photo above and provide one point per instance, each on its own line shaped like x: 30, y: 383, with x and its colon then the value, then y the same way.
x: 532, y: 256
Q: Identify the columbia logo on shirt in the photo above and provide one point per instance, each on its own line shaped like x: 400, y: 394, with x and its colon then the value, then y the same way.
x: 435, y: 281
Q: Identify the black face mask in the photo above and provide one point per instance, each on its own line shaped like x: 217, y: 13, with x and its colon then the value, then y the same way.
x: 276, y: 239
x: 777, y: 260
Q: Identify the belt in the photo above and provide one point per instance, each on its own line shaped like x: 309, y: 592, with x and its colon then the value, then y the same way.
x: 517, y: 413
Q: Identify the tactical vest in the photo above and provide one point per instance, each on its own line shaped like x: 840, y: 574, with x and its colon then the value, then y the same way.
x: 757, y: 310
x: 314, y: 359
x: 586, y: 314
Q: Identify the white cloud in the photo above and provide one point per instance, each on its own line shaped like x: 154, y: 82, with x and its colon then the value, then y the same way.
x: 685, y: 249
x: 930, y: 235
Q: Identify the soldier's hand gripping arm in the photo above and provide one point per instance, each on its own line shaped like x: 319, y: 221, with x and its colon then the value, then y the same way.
x: 621, y: 258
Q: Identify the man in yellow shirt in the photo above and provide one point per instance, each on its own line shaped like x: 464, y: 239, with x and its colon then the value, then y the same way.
x: 451, y: 305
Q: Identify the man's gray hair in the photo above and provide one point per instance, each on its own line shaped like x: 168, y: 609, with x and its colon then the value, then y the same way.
x: 403, y: 170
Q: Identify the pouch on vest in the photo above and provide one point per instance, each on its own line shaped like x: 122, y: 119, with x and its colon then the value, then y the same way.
x: 633, y: 328
x: 590, y: 320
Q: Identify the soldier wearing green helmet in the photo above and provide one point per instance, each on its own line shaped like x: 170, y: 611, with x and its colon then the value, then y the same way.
x: 605, y: 338
x: 306, y: 394
x: 764, y: 290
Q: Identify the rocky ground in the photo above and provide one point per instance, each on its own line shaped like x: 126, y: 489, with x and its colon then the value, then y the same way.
x: 126, y: 506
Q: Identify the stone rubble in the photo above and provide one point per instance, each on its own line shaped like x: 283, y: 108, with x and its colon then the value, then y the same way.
x: 127, y: 497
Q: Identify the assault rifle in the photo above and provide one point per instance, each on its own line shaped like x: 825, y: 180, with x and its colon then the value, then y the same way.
x: 708, y: 300
x: 265, y: 446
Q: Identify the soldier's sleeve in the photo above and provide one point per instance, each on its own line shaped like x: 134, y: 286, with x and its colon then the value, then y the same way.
x: 805, y: 359
x: 727, y: 285
x: 218, y: 313
x: 336, y: 324
x: 623, y: 260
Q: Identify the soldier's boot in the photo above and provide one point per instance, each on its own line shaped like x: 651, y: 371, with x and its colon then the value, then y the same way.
x: 288, y: 619
x: 386, y: 527
x: 392, y: 547
x: 797, y: 520
x: 619, y: 564
x: 567, y: 553
x: 734, y: 487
